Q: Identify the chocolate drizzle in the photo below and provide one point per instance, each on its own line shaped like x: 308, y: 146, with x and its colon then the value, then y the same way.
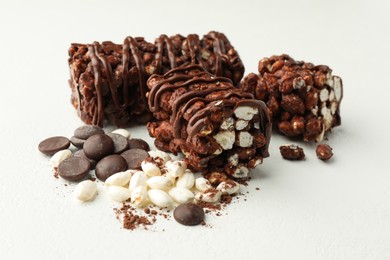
x: 99, y: 61
x: 191, y: 105
x: 131, y: 44
x: 170, y: 83
x: 194, y: 47
x: 107, y: 69
x: 98, y: 112
x: 121, y: 71
x: 162, y: 41
x: 190, y: 75
x: 186, y: 80
x: 219, y: 49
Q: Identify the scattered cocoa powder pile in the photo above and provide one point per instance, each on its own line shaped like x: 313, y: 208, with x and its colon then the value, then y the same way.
x: 131, y: 219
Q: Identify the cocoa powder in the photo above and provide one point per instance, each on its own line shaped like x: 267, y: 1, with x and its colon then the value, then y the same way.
x: 130, y: 218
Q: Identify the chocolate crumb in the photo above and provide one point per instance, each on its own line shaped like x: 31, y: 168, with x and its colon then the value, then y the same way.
x: 257, y: 188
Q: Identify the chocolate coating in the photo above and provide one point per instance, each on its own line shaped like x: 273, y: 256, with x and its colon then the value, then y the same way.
x: 189, y: 214
x: 98, y: 146
x: 134, y: 158
x: 54, y: 144
x: 109, y: 165
x: 74, y: 168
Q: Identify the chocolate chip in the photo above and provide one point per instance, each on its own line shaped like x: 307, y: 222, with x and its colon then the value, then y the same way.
x: 74, y: 168
x: 138, y: 144
x: 109, y: 165
x: 80, y: 153
x: 189, y: 214
x: 120, y: 142
x: 77, y: 142
x: 98, y: 146
x: 86, y: 131
x: 54, y: 144
x: 134, y: 157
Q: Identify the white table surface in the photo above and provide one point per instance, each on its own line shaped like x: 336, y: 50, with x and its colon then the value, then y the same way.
x: 303, y: 210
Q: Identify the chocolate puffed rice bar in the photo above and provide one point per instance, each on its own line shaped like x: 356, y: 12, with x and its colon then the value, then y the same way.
x: 108, y: 80
x: 303, y: 100
x: 222, y: 131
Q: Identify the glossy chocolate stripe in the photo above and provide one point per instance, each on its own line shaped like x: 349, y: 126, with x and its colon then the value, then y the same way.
x: 158, y: 89
x: 196, y: 93
x: 140, y: 67
x: 194, y: 47
x: 160, y: 42
x: 219, y: 48
x: 98, y: 113
x: 109, y: 76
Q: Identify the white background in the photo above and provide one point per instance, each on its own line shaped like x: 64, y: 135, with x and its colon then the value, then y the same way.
x: 303, y: 210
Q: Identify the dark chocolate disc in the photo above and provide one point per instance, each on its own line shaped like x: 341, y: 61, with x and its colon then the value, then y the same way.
x: 86, y: 131
x: 109, y: 165
x: 98, y: 146
x: 80, y: 153
x: 120, y: 142
x: 77, y: 142
x: 189, y: 214
x: 134, y: 157
x: 54, y: 144
x: 138, y: 144
x: 74, y: 168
